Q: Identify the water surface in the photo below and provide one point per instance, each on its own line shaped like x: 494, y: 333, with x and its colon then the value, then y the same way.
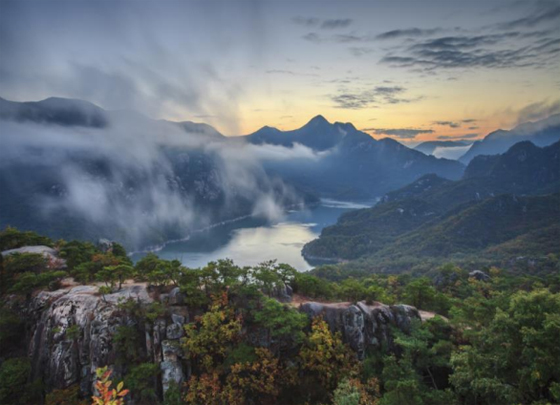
x: 251, y: 241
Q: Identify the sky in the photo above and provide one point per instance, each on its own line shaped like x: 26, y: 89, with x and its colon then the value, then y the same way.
x: 410, y: 70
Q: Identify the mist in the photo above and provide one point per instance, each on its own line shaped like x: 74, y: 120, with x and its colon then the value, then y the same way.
x: 137, y: 180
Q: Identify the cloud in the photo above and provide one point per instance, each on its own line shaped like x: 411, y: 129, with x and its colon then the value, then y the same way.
x: 458, y: 137
x: 497, y: 51
x: 360, y: 50
x: 538, y: 111
x: 409, y: 32
x: 278, y: 153
x: 338, y: 38
x: 290, y: 72
x: 313, y: 37
x: 306, y: 21
x: 336, y: 23
x: 326, y: 24
x: 450, y: 152
x: 364, y: 99
x: 468, y: 120
x: 402, y: 133
x: 137, y: 178
x: 112, y: 60
x: 543, y: 12
x: 450, y: 124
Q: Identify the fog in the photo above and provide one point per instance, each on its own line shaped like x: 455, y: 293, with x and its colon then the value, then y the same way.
x: 138, y: 177
x: 454, y: 152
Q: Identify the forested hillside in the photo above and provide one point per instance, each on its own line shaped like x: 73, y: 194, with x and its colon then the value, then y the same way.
x: 495, y: 202
x: 223, y: 334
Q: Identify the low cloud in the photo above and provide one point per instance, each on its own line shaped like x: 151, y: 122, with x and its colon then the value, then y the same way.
x: 136, y: 178
x: 458, y: 137
x: 278, y: 153
x: 402, y: 133
x: 538, y: 111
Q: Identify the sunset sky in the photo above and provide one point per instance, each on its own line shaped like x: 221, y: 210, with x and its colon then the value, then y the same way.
x: 415, y: 71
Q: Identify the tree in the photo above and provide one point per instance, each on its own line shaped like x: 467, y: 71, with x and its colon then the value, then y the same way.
x: 141, y: 382
x: 13, y: 379
x: 282, y: 321
x: 11, y: 238
x: 513, y: 359
x: 258, y: 379
x: 420, y: 293
x: 121, y: 272
x: 209, y: 340
x: 326, y: 357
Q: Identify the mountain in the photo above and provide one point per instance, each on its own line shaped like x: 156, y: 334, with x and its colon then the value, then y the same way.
x: 541, y: 133
x: 317, y: 134
x: 429, y: 147
x: 350, y: 164
x: 55, y: 110
x: 433, y: 206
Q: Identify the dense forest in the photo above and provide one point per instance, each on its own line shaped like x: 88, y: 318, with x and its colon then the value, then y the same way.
x: 484, y: 337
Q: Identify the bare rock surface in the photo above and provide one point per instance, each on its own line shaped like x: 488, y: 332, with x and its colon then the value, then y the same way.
x: 363, y: 326
x: 72, y: 333
x: 48, y: 252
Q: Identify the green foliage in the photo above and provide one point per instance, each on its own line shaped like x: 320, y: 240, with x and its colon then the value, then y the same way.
x: 77, y: 253
x: 67, y: 396
x: 159, y: 272
x: 11, y: 238
x: 73, y: 332
x: 346, y: 394
x: 14, y: 386
x: 310, y: 286
x: 141, y: 382
x: 115, y: 275
x: 513, y: 358
x: 283, y: 322
x: 11, y: 329
x: 213, y: 336
x: 25, y: 283
x: 127, y: 341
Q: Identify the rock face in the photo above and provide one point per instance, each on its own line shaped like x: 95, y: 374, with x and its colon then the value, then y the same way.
x: 363, y: 326
x: 72, y: 332
x: 49, y: 253
x: 479, y: 275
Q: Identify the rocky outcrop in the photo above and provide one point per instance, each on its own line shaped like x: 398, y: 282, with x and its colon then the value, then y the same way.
x: 54, y: 261
x: 479, y: 275
x: 72, y: 332
x: 363, y: 326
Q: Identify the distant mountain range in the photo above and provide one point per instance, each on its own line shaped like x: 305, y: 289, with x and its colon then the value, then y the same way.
x: 71, y: 151
x: 352, y: 164
x: 541, y: 133
x: 500, y: 200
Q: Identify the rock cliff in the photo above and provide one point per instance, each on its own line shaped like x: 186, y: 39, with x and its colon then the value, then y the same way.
x: 72, y: 331
x: 363, y: 326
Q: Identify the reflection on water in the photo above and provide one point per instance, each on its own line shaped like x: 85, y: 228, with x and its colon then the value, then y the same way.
x: 251, y: 241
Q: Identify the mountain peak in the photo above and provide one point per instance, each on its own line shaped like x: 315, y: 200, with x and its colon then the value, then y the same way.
x: 318, y: 119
